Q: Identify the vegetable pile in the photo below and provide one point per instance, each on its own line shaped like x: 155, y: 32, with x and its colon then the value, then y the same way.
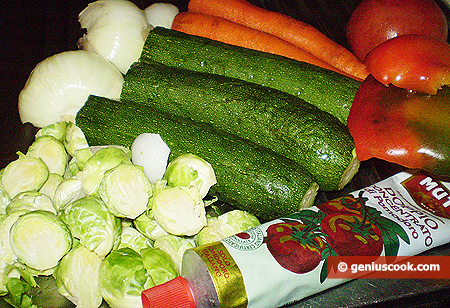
x: 90, y: 217
x: 162, y: 115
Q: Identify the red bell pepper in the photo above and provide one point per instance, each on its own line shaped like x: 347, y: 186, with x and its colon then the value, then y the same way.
x: 413, y: 62
x: 403, y: 127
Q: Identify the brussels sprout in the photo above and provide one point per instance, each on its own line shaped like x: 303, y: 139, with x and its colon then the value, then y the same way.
x: 50, y: 185
x: 122, y: 279
x: 159, y: 265
x: 5, y: 199
x: 96, y: 166
x: 74, y: 139
x: 77, y: 279
x: 30, y: 201
x: 225, y: 225
x: 23, y: 174
x: 147, y: 225
x: 6, y: 222
x: 40, y: 239
x: 132, y: 238
x: 57, y: 130
x: 190, y: 170
x: 125, y: 190
x: 66, y: 192
x: 90, y: 221
x: 52, y: 153
x: 152, y: 153
x: 174, y: 246
x: 79, y: 160
x: 179, y: 210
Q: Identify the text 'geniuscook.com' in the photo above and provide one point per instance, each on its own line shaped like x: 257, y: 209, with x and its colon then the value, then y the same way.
x: 386, y: 267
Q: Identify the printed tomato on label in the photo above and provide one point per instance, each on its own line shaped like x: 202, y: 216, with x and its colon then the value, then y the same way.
x: 346, y: 204
x: 295, y: 246
x: 352, y: 235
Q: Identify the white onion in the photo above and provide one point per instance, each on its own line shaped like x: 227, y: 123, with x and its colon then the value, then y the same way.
x: 161, y: 14
x: 152, y: 153
x: 59, y: 86
x: 116, y: 30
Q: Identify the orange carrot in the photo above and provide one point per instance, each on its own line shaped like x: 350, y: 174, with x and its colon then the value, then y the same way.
x: 225, y: 31
x: 285, y: 27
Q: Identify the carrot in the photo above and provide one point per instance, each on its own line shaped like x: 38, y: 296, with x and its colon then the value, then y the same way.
x: 225, y: 31
x: 285, y: 27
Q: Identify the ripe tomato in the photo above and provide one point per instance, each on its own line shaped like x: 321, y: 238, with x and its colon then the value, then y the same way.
x: 294, y: 246
x: 375, y: 21
x: 350, y: 236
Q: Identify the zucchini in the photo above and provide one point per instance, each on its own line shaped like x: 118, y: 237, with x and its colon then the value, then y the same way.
x: 276, y: 120
x: 249, y: 177
x: 328, y: 90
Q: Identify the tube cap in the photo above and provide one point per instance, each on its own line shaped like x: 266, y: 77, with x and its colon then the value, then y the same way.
x: 175, y: 293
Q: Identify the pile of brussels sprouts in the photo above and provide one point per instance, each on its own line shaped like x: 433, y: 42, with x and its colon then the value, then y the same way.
x: 93, y: 219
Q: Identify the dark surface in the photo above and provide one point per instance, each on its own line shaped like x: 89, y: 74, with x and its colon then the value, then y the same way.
x: 33, y: 30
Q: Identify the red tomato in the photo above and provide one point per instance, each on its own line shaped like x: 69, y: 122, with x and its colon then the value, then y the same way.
x: 294, y: 247
x: 375, y: 21
x: 349, y: 236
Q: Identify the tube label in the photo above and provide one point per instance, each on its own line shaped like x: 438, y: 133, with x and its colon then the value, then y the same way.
x: 285, y: 260
x: 226, y: 275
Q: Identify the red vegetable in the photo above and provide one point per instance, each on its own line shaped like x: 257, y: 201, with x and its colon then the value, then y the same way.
x: 375, y: 21
x: 413, y: 62
x: 294, y: 246
x: 402, y: 127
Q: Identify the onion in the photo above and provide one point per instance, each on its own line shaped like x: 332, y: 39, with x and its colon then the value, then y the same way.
x: 116, y: 30
x: 161, y: 14
x: 152, y: 153
x: 59, y: 85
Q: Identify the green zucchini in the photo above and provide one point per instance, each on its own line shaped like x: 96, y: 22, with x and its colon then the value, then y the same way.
x: 328, y: 90
x: 273, y: 119
x: 249, y: 177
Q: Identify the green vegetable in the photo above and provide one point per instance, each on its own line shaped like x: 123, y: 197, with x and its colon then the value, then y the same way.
x: 24, y: 173
x: 273, y: 119
x: 132, y: 238
x: 96, y: 166
x: 191, y: 170
x: 179, y: 210
x: 31, y: 200
x: 174, y: 246
x: 330, y: 91
x: 159, y: 265
x: 90, y: 221
x: 76, y: 277
x: 123, y: 278
x: 51, y: 151
x: 147, y: 225
x: 225, y: 225
x: 40, y: 239
x: 249, y: 177
x: 125, y: 190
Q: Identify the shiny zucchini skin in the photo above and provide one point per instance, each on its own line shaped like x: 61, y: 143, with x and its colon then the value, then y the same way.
x: 328, y: 90
x: 273, y: 119
x: 249, y: 177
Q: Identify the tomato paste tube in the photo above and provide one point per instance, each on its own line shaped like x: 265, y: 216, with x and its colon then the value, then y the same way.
x: 285, y: 260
